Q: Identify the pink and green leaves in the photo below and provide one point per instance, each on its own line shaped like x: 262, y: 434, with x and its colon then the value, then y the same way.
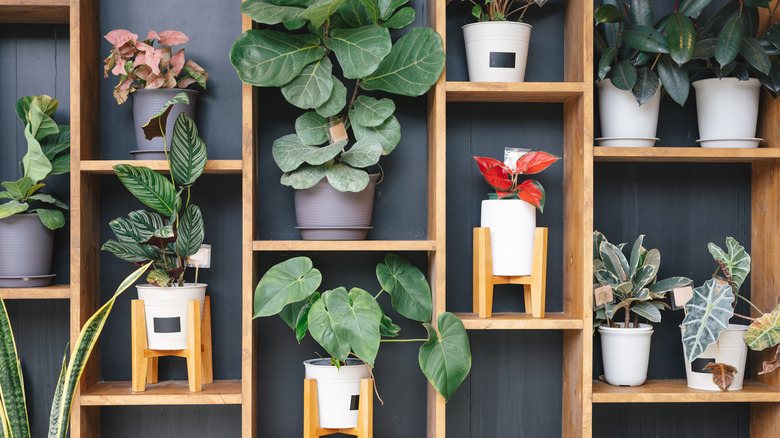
x: 503, y: 178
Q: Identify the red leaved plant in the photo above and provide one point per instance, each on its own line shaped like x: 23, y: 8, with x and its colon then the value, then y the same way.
x: 504, y: 178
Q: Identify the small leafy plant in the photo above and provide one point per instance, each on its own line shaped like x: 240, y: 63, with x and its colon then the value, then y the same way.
x: 140, y: 66
x: 353, y: 322
x: 504, y: 178
x: 47, y: 154
x: 501, y: 10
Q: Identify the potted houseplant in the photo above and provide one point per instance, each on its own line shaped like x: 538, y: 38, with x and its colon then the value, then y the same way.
x: 332, y: 172
x: 510, y: 213
x: 497, y: 44
x: 733, y: 60
x: 169, y: 234
x: 25, y: 228
x: 350, y: 326
x: 634, y: 288
x: 152, y: 76
x: 639, y: 56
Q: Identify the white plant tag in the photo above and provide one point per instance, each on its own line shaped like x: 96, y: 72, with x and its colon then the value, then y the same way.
x: 602, y: 295
x: 681, y: 295
x: 202, y: 258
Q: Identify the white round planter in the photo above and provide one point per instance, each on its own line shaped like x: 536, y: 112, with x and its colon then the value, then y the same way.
x: 497, y: 51
x: 625, y: 352
x: 512, y: 224
x: 623, y: 118
x: 727, y: 109
x: 338, y: 391
x: 166, y: 313
x: 730, y: 349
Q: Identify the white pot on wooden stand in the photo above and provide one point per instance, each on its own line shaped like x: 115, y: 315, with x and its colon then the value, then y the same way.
x: 623, y: 121
x: 625, y: 353
x: 338, y: 391
x: 166, y: 313
x: 729, y: 349
x: 727, y: 111
x: 512, y: 224
x: 497, y: 51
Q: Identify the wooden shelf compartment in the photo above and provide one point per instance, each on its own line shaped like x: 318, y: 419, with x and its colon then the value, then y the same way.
x: 521, y: 321
x: 684, y: 154
x: 677, y: 391
x: 58, y: 291
x: 513, y: 91
x: 35, y: 11
x: 176, y: 392
x: 344, y: 245
x: 106, y: 167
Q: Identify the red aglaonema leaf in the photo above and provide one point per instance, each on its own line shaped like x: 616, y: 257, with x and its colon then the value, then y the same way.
x: 486, y: 163
x: 534, y: 162
x: 532, y: 192
x: 722, y: 374
x: 771, y: 365
x: 498, y: 178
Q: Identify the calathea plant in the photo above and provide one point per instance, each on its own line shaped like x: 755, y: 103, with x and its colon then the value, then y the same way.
x: 354, y: 34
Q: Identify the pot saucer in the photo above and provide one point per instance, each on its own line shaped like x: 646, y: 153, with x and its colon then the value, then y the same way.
x: 736, y: 143
x: 26, y: 281
x: 629, y: 142
x: 334, y: 233
x: 149, y: 154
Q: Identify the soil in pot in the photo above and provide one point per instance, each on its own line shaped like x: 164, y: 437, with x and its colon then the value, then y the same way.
x: 25, y: 251
x: 338, y: 391
x: 147, y: 103
x: 497, y: 51
x: 625, y: 353
x: 166, y: 313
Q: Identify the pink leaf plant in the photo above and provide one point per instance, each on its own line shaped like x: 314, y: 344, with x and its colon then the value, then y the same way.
x: 504, y: 179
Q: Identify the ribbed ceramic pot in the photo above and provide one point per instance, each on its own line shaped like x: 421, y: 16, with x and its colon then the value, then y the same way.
x: 338, y: 391
x: 626, y: 354
x: 25, y: 246
x: 147, y: 103
x: 497, y: 51
x: 166, y: 313
x: 730, y: 349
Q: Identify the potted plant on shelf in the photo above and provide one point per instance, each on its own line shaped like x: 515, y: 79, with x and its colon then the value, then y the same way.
x: 631, y: 285
x: 639, y: 57
x: 25, y: 229
x: 152, y: 77
x: 510, y: 213
x: 350, y: 326
x: 333, y: 175
x: 735, y: 56
x: 497, y: 45
x: 168, y: 235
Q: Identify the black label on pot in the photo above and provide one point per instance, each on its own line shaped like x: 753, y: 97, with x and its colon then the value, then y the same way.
x: 167, y: 325
x: 354, y: 404
x: 698, y: 364
x: 502, y: 59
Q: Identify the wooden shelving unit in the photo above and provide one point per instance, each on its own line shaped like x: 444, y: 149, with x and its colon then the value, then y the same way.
x: 521, y: 321
x: 105, y: 167
x: 55, y: 292
x: 344, y: 245
x: 677, y: 391
x: 684, y: 155
x: 221, y: 392
x: 35, y: 11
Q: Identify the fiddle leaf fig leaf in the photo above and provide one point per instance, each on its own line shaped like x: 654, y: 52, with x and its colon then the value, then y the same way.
x: 370, y: 112
x: 188, y: 152
x: 388, y: 134
x: 305, y: 176
x: 322, y: 328
x: 60, y: 164
x: 290, y: 152
x: 387, y: 7
x: 707, y: 314
x: 191, y: 231
x: 346, y: 178
x: 288, y: 282
x: 730, y: 41
x: 735, y: 263
x: 49, y: 199
x: 355, y: 14
x: 445, y: 358
x: 312, y: 87
x: 407, y: 286
x: 12, y: 207
x: 764, y: 332
x: 269, y: 13
x: 363, y: 153
x: 18, y: 189
x: 681, y: 38
x: 157, y: 124
x: 360, y: 50
x: 336, y: 101
x: 35, y: 164
x: 321, y: 155
x: 321, y: 11
x: 312, y: 128
x: 150, y: 187
x: 400, y: 19
x: 60, y: 143
x: 356, y: 318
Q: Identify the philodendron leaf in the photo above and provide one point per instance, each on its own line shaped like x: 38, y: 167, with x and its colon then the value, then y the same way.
x: 764, y: 332
x: 754, y: 53
x: 11, y: 384
x: 730, y: 41
x: 267, y: 58
x: 322, y: 328
x: 363, y: 153
x: 34, y: 163
x: 445, y: 358
x: 370, y: 112
x: 413, y: 65
x: 400, y: 19
x: 356, y: 318
x: 156, y: 125
x: 321, y: 11
x: 681, y: 38
x: 675, y: 79
x: 407, y: 286
x: 388, y: 134
x: 305, y: 176
x: 312, y: 87
x: 360, y: 50
x: 302, y: 320
x: 736, y: 262
x: 12, y: 207
x: 188, y: 152
x: 312, y: 128
x: 287, y: 282
x: 346, y: 178
x: 646, y: 39
x: 623, y: 75
x: 707, y: 314
x: 191, y: 231
x: 269, y: 13
x: 149, y: 186
x: 336, y: 101
x: 646, y: 85
x: 387, y: 328
x: 289, y: 313
x: 50, y: 218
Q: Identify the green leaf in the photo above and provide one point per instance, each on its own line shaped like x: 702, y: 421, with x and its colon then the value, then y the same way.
x: 12, y: 207
x: 312, y: 128
x: 614, y: 261
x: 764, y: 332
x: 757, y: 3
x: 363, y: 153
x: 623, y: 75
x: 387, y: 7
x: 667, y: 284
x: 646, y: 85
x: 400, y: 19
x: 356, y: 318
x: 322, y: 329
x: 302, y: 321
x: 605, y: 63
x: 267, y: 58
x: 360, y: 50
x: 51, y: 219
x: 289, y: 313
x: 287, y: 282
x: 719, y: 18
x: 60, y: 164
x: 646, y: 39
x: 608, y: 13
x: 22, y: 107
x: 336, y: 101
x: 144, y: 225
x: 707, y: 314
x: 735, y: 263
x: 637, y: 251
x: 413, y: 65
x: 269, y: 13
x: 730, y: 41
x: 129, y: 252
x: 18, y: 189
x: 290, y: 153
x: 54, y: 413
x: 149, y: 187
x: 305, y: 176
x: 647, y: 310
x: 446, y: 359
x: 692, y: 8
x: 772, y: 35
x: 35, y: 164
x: 58, y: 143
x: 355, y: 14
x: 388, y: 134
x: 188, y: 152
x: 681, y: 38
x: 158, y: 278
x: 11, y: 384
x: 313, y: 87
x: 641, y: 12
x: 321, y: 11
x: 157, y: 124
x: 191, y: 231
x: 40, y: 124
x: 49, y: 199
x: 371, y: 112
x: 754, y: 54
x: 372, y: 9
x: 345, y: 178
x: 387, y: 328
x: 674, y: 78
x: 407, y: 286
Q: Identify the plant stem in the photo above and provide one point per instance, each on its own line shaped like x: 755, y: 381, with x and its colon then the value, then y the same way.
x: 351, y: 101
x: 636, y: 320
x: 751, y: 304
x: 403, y: 340
x: 744, y: 317
x: 380, y: 293
x: 627, y: 319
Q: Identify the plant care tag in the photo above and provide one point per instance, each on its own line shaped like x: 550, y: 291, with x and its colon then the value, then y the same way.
x: 202, y: 258
x: 680, y: 296
x: 721, y: 282
x: 602, y: 295
x: 166, y: 56
x: 337, y: 132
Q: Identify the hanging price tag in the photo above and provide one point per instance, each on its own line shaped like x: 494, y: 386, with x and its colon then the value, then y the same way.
x: 680, y: 296
x: 337, y: 132
x: 721, y: 282
x: 602, y: 295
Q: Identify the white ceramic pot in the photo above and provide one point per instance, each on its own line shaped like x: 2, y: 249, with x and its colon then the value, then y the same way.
x: 730, y: 349
x: 338, y: 391
x: 623, y: 118
x: 727, y: 109
x: 166, y: 313
x: 496, y: 51
x: 625, y: 352
x: 512, y: 224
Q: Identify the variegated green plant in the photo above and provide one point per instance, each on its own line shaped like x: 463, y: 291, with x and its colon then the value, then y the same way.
x: 174, y: 231
x: 13, y: 405
x: 47, y: 154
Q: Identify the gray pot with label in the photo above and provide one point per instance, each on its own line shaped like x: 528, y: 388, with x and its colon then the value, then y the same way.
x: 147, y: 103
x: 25, y: 251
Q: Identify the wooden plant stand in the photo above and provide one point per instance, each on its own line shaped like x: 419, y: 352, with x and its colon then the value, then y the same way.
x: 311, y: 417
x: 534, y: 285
x: 198, y: 352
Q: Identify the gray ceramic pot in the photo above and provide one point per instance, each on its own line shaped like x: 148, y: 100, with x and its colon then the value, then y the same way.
x: 147, y: 103
x: 25, y: 250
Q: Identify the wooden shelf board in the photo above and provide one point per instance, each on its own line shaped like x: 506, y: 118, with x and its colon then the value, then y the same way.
x: 58, y: 291
x: 684, y: 154
x: 35, y: 11
x: 103, y: 167
x: 520, y: 321
x: 344, y: 245
x: 513, y: 91
x: 677, y: 391
x: 176, y: 392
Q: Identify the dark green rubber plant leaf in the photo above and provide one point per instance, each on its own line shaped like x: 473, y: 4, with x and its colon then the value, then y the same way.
x: 764, y: 332
x: 388, y: 134
x: 735, y: 263
x: 188, y: 155
x: 268, y: 58
x: 646, y: 39
x: 623, y: 75
x: 407, y: 286
x: 287, y: 282
x: 445, y: 358
x: 321, y: 11
x: 156, y: 125
x: 336, y: 101
x: 323, y: 329
x: 269, y: 13
x: 681, y: 38
x: 730, y: 41
x: 360, y: 50
x: 674, y: 78
x: 641, y: 12
x: 646, y: 85
x: 605, y: 63
x: 305, y: 176
x: 707, y: 314
x: 149, y: 186
x: 719, y: 19
x: 363, y: 153
x: 755, y: 55
x: 692, y: 8
x: 400, y: 19
x: 312, y: 87
x: 371, y: 112
x: 346, y: 178
x: 608, y: 13
x: 312, y: 128
x: 191, y: 231
x: 356, y: 318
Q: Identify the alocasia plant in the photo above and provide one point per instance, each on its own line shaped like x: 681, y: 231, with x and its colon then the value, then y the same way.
x: 504, y: 178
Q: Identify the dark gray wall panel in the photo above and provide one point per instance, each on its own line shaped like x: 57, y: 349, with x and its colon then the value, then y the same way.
x: 680, y: 420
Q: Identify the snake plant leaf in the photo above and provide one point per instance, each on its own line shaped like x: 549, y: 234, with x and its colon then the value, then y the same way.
x: 764, y: 332
x: 188, y: 152
x: 305, y: 176
x: 614, y: 260
x: 681, y: 38
x: 754, y: 54
x: 407, y: 286
x: 321, y: 11
x: 312, y: 128
x: 445, y: 358
x: 11, y: 385
x: 400, y: 19
x: 646, y: 39
x: 388, y: 7
x: 637, y: 255
x: 191, y: 231
x: 50, y: 218
x: 608, y: 13
x: 371, y: 112
x: 12, y: 207
x: 707, y: 314
x: 647, y: 310
x: 730, y: 41
x: 129, y: 252
x: 158, y: 123
x: 336, y: 101
x: 646, y: 85
x: 268, y: 58
x: 54, y: 414
x: 49, y: 199
x: 692, y: 8
x: 735, y: 263
x: 605, y: 63
x: 150, y: 187
x: 388, y: 134
x: 289, y: 313
x: 269, y: 13
x: 18, y: 189
x: 413, y: 65
x: 674, y: 78
x: 322, y: 329
x: 667, y: 284
x: 641, y: 12
x: 623, y: 75
x: 34, y: 163
x: 287, y: 282
x: 360, y: 50
x: 312, y: 87
x: 364, y: 153
x: 346, y: 178
x: 356, y: 318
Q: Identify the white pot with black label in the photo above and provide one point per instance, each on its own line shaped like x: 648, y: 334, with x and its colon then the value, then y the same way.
x: 730, y: 348
x: 338, y: 391
x: 166, y: 313
x: 497, y: 51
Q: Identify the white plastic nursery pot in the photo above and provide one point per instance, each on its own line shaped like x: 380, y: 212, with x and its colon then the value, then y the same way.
x: 497, y: 51
x: 625, y: 353
x: 338, y: 391
x: 730, y: 349
x: 623, y: 118
x: 727, y: 109
x: 512, y: 224
x: 166, y: 313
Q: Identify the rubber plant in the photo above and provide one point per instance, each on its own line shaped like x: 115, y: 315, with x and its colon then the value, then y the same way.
x: 47, y: 154
x: 504, y: 178
x: 13, y: 404
x: 319, y: 39
x: 173, y: 231
x: 352, y: 322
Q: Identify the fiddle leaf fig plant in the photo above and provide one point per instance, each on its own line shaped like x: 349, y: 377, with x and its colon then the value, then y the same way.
x: 322, y: 38
x: 352, y: 322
